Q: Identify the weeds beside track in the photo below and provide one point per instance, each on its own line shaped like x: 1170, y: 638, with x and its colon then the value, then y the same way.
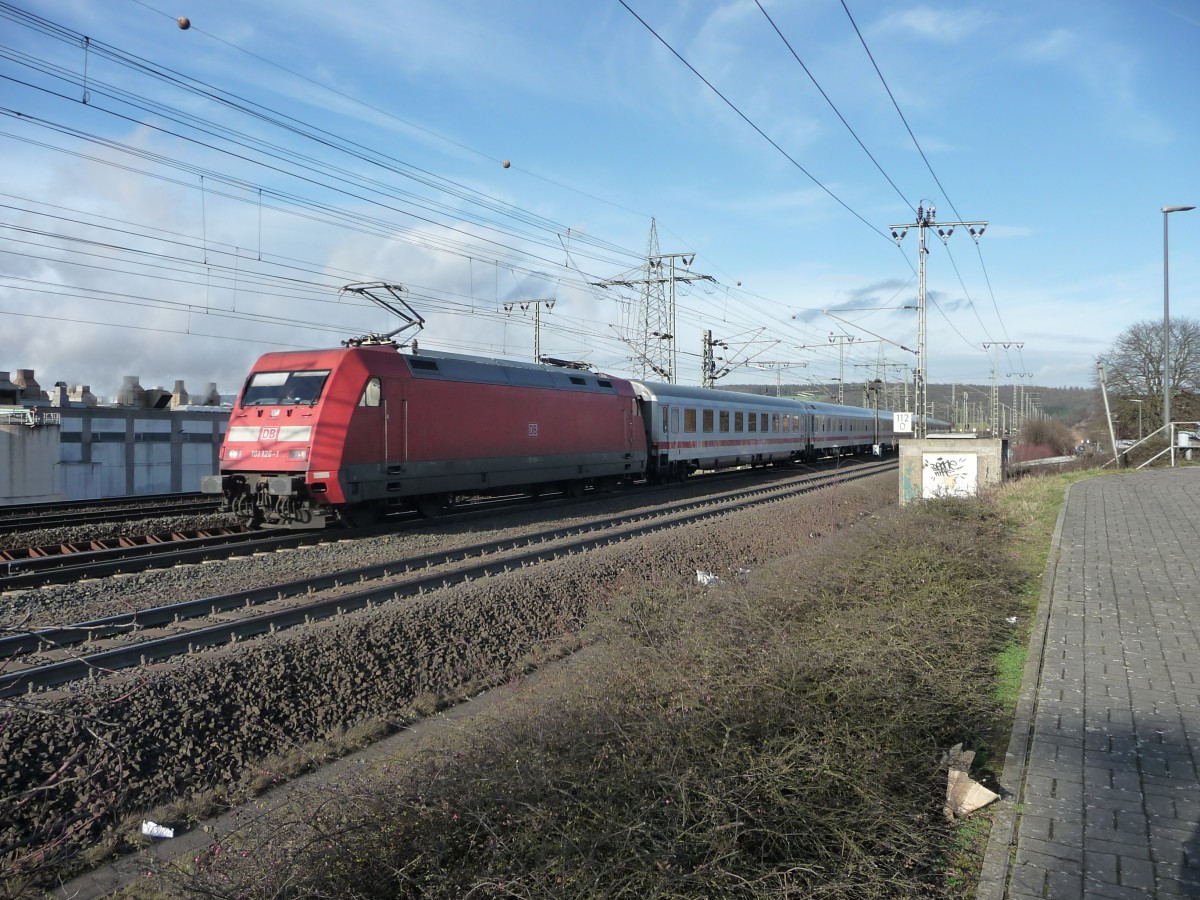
x: 773, y: 738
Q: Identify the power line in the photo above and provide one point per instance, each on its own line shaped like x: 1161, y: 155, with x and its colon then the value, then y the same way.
x: 751, y: 123
x: 891, y: 96
x: 924, y: 158
x: 832, y: 105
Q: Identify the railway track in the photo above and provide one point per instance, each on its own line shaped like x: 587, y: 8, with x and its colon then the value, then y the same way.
x: 29, y: 516
x: 123, y: 556
x: 32, y: 567
x: 54, y: 656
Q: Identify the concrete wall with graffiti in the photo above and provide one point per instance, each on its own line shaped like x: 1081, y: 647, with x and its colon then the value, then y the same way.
x: 950, y: 466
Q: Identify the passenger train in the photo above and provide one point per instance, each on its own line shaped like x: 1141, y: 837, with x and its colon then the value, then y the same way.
x: 362, y: 430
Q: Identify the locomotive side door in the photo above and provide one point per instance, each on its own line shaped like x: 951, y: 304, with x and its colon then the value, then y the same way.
x: 381, y: 415
x: 395, y: 424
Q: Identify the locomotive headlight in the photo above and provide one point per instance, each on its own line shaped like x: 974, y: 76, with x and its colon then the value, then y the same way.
x: 233, y: 454
x: 298, y: 454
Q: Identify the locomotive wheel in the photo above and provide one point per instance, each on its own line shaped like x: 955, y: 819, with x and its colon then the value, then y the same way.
x: 608, y: 484
x: 431, y: 506
x: 361, y: 515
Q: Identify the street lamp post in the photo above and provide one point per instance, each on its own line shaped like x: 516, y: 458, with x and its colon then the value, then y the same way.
x: 1167, y: 210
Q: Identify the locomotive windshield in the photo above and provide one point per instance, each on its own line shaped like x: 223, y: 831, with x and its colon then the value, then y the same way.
x: 284, y: 388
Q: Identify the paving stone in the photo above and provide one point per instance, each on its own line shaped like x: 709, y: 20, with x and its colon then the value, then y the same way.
x: 1111, y: 784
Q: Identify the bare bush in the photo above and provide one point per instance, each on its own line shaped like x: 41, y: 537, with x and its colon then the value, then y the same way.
x: 776, y: 737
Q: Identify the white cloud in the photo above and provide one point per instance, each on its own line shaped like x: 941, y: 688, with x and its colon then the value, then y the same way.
x: 1111, y: 73
x: 938, y: 25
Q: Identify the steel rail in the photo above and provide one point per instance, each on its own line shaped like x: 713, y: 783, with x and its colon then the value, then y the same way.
x: 167, y: 550
x: 615, y: 530
x: 98, y: 503
x: 127, y: 513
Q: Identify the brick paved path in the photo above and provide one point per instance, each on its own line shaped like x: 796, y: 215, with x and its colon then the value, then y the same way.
x: 1110, y: 799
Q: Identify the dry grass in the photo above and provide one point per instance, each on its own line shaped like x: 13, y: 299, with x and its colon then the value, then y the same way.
x: 773, y: 738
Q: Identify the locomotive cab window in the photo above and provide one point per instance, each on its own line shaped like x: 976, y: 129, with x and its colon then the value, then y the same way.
x: 371, y: 393
x: 284, y: 388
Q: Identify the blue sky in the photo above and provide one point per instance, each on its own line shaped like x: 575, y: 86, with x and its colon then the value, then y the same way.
x: 160, y: 230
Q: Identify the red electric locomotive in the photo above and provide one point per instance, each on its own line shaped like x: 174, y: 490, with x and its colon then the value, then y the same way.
x: 365, y: 429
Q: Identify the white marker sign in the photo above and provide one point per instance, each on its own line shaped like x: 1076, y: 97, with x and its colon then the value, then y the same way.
x: 902, y: 422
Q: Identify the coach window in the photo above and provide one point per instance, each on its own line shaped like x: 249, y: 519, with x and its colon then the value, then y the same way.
x: 370, y: 394
x: 689, y: 421
x: 708, y: 421
x: 775, y: 422
x: 752, y: 421
x: 724, y: 423
x: 787, y: 424
x: 666, y: 419
x: 737, y: 421
x: 674, y: 420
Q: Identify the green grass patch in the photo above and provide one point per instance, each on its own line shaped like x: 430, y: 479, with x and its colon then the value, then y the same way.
x: 1010, y: 668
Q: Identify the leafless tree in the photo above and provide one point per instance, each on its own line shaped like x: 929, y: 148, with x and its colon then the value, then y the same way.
x: 1133, y: 368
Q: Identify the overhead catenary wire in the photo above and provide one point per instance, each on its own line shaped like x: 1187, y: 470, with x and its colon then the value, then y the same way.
x: 260, y: 112
x: 833, y: 106
x: 842, y: 203
x: 473, y: 252
x: 580, y: 252
x: 924, y: 158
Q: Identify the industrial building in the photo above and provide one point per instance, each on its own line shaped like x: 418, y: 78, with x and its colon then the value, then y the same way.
x: 63, y: 444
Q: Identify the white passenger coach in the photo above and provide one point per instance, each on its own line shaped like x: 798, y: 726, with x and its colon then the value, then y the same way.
x: 693, y: 428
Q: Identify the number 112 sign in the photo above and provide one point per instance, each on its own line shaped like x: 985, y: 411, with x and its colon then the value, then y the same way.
x: 902, y: 422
